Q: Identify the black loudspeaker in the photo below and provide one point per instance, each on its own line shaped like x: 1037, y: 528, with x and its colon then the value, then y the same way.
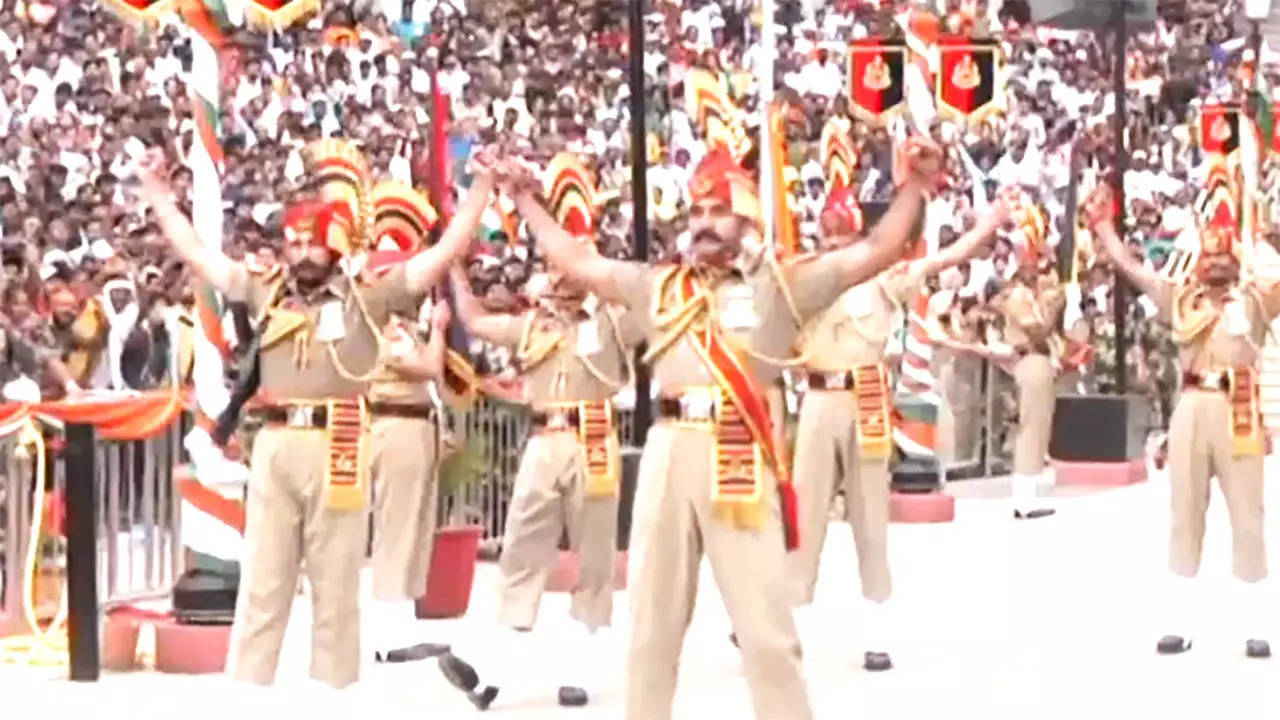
x: 1099, y: 428
x: 627, y: 494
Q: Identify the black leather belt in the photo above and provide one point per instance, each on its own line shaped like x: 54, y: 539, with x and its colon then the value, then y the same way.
x: 297, y: 416
x: 385, y: 408
x: 554, y: 419
x: 675, y: 408
x: 1219, y: 380
x: 839, y: 380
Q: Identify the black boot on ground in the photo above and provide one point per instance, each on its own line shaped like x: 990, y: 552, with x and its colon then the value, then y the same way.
x: 572, y: 696
x: 876, y: 661
x: 1033, y: 514
x: 1257, y: 649
x: 1173, y: 645
x: 413, y: 653
x: 461, y: 675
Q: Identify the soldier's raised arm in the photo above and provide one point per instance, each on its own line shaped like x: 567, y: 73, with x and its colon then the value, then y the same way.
x: 580, y: 261
x: 209, y: 262
x: 496, y: 328
x: 428, y: 267
x: 1098, y: 213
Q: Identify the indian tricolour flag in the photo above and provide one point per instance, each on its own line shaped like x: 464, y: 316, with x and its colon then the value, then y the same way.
x: 207, y: 23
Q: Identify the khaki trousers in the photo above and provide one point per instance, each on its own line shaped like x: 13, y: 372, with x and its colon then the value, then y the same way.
x: 673, y: 526
x: 550, y: 498
x: 827, y: 458
x: 1199, y: 449
x: 287, y: 525
x: 403, y: 454
x: 1034, y: 375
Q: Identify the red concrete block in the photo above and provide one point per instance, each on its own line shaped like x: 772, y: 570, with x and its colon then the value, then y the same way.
x: 120, y: 642
x: 930, y: 507
x: 1100, y: 474
x: 191, y: 649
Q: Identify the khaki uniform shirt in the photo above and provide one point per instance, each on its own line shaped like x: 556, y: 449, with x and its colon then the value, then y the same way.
x: 570, y: 358
x: 758, y: 298
x: 295, y: 361
x: 855, y: 330
x: 1032, y: 316
x: 1212, y: 338
x: 390, y: 384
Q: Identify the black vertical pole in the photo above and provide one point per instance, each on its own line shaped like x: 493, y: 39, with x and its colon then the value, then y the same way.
x: 82, y: 553
x: 1120, y: 299
x: 639, y: 196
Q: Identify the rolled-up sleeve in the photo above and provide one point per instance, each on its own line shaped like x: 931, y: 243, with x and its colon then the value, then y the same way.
x: 814, y: 283
x: 390, y: 294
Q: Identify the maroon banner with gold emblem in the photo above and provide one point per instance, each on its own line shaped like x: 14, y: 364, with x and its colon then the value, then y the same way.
x: 967, y: 82
x: 1220, y: 129
x: 877, y: 80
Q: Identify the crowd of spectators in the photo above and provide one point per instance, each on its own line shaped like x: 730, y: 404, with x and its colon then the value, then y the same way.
x: 90, y: 295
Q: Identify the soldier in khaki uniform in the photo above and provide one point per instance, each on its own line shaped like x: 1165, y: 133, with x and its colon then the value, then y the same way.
x: 404, y: 438
x: 321, y: 344
x: 843, y: 440
x: 1220, y: 323
x: 571, y: 352
x: 713, y: 478
x: 1032, y: 309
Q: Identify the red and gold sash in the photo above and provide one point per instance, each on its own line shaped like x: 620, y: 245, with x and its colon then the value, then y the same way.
x: 871, y: 394
x: 744, y: 434
x: 346, y: 474
x: 1246, y: 430
x: 599, y: 448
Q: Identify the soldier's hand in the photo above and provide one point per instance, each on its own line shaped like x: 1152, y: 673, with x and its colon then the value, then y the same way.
x: 153, y: 175
x: 920, y: 160
x: 996, y: 215
x: 483, y: 163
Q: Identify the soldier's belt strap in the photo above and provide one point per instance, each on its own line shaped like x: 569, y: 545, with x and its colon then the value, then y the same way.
x: 294, y: 415
x: 346, y: 473
x: 383, y: 408
x: 1246, y: 417
x: 599, y: 448
x: 1216, y: 380
x: 875, y: 426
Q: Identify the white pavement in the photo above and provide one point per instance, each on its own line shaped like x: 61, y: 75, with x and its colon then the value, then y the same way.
x: 1056, y: 618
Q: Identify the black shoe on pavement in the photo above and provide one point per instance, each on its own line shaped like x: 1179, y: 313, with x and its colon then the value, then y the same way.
x: 461, y: 675
x: 572, y: 696
x: 876, y: 662
x: 1033, y: 514
x: 1173, y: 645
x: 413, y: 653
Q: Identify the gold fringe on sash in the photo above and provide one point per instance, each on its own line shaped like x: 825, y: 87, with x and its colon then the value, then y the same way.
x: 1246, y: 431
x: 871, y: 395
x: 599, y: 448
x: 278, y: 15
x: 347, y: 472
x: 737, y: 487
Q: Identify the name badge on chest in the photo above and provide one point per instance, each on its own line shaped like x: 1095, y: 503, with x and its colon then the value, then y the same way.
x: 331, y: 326
x: 740, y: 309
x: 1237, y: 320
x: 588, y: 338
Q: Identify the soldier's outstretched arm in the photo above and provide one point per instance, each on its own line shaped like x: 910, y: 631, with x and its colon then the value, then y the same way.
x: 428, y: 267
x: 1098, y: 214
x: 210, y: 263
x: 578, y: 260
x: 968, y: 245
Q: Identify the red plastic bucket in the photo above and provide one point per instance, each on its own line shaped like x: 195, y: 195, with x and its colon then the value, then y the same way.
x: 452, y: 572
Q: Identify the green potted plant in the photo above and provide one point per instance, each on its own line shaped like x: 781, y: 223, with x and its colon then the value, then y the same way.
x: 457, y: 539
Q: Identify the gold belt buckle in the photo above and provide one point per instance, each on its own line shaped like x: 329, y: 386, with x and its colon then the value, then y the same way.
x: 557, y: 420
x: 1213, y: 380
x: 836, y: 380
x: 302, y: 416
x: 696, y: 406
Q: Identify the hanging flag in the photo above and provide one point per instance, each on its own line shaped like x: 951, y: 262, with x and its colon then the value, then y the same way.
x: 1220, y: 129
x: 278, y: 14
x: 877, y: 84
x: 967, y: 83
x: 139, y: 12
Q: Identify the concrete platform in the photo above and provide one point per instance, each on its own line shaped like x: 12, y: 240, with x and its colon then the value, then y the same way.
x: 1056, y: 618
